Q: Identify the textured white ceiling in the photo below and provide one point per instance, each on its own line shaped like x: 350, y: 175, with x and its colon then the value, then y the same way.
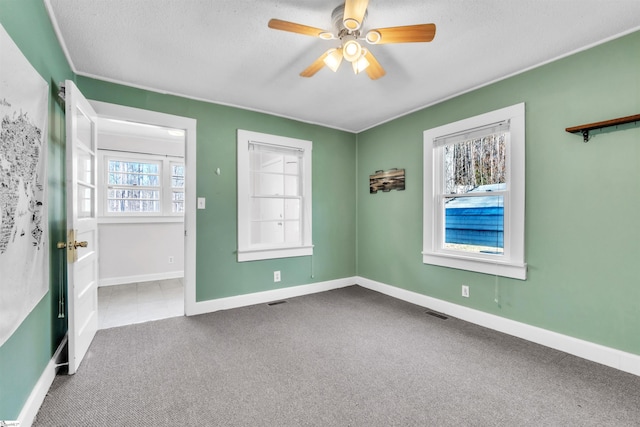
x: 222, y: 51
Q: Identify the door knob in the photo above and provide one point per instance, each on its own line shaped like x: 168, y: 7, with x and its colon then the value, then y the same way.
x: 77, y: 244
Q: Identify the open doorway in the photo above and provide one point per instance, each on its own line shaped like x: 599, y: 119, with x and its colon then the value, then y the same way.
x: 144, y: 190
x: 141, y: 187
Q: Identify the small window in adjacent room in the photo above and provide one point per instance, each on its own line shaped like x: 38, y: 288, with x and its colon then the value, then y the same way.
x: 474, y: 194
x: 139, y: 185
x: 133, y: 186
x: 177, y: 187
x: 274, y: 196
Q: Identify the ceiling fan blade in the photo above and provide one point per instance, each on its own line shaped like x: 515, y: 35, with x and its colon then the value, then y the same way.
x: 354, y: 11
x: 374, y: 70
x: 404, y: 34
x: 315, y: 65
x: 292, y: 27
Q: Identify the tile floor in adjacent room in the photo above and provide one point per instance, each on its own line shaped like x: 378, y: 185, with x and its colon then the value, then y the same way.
x: 121, y: 305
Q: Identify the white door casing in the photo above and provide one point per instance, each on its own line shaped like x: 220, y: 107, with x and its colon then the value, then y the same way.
x: 122, y: 113
x: 82, y: 226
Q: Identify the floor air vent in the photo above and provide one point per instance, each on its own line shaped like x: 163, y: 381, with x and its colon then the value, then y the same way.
x: 438, y: 315
x: 277, y: 302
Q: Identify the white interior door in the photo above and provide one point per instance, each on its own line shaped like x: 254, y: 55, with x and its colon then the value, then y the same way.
x: 82, y: 227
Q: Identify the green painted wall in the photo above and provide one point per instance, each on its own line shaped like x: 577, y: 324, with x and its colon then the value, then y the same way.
x: 582, y: 200
x: 24, y: 356
x: 218, y: 274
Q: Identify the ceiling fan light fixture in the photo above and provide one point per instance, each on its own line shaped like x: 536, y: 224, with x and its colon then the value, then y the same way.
x: 361, y: 64
x: 351, y: 24
x: 326, y: 35
x: 333, y: 59
x: 373, y: 37
x: 351, y: 50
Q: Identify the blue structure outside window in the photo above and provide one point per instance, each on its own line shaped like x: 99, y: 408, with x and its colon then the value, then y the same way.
x: 476, y: 223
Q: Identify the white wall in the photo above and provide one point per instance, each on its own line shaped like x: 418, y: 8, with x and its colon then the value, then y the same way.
x: 139, y: 252
x: 139, y: 249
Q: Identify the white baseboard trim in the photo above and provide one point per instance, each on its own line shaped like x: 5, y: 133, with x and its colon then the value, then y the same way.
x: 111, y: 281
x: 627, y: 362
x: 210, y: 306
x: 39, y: 392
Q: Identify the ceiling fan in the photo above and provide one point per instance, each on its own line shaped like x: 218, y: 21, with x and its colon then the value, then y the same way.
x: 348, y: 20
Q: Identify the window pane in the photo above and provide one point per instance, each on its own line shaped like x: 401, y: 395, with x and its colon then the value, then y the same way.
x: 267, y: 209
x: 177, y: 170
x: 267, y: 233
x: 266, y: 184
x: 133, y: 173
x: 85, y: 167
x: 85, y: 201
x: 292, y: 165
x: 265, y: 161
x: 177, y: 175
x: 133, y: 194
x: 116, y: 178
x: 134, y: 186
x: 472, y: 163
x: 475, y: 224
x: 291, y: 186
x: 177, y: 182
x: 292, y: 209
x: 177, y: 202
x: 292, y: 232
x: 133, y: 200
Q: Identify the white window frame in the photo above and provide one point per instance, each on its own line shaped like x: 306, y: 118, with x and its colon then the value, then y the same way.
x: 171, y: 189
x: 166, y: 208
x: 512, y: 262
x: 252, y: 252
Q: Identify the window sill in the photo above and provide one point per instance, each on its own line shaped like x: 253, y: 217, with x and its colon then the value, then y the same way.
x: 273, y: 253
x: 139, y: 219
x: 504, y: 269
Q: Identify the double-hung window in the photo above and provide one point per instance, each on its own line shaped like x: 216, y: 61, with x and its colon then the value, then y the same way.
x: 474, y: 194
x: 133, y: 187
x: 177, y: 187
x: 138, y: 185
x: 274, y: 196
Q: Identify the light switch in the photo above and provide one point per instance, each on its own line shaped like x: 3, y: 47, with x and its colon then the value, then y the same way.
x: 201, y: 202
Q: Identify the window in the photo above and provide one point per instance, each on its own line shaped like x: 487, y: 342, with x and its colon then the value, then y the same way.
x: 140, y: 185
x: 474, y: 194
x: 177, y: 187
x: 274, y: 196
x: 133, y: 186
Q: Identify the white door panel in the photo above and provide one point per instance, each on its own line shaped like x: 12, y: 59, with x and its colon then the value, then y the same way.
x: 82, y: 245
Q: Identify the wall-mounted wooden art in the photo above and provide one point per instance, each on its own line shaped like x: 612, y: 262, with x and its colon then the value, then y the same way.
x: 393, y: 179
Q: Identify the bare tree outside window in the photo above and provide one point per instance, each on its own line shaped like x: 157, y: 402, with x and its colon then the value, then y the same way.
x: 475, y: 162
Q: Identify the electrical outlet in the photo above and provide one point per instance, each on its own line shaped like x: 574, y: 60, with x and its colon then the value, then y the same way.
x: 276, y: 276
x: 170, y: 260
x: 465, y: 291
